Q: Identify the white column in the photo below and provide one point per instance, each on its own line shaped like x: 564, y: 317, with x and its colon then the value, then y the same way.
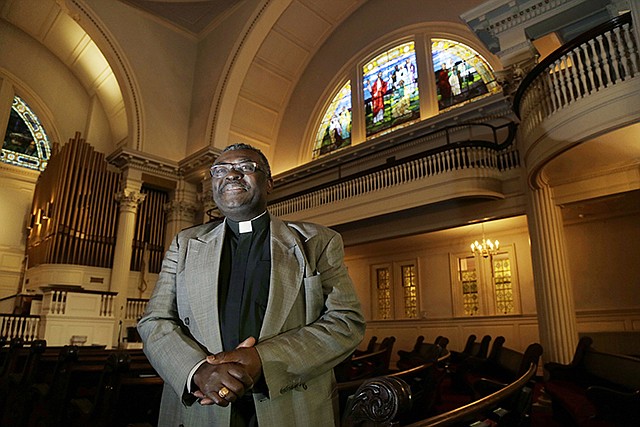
x: 180, y: 211
x: 554, y: 294
x: 129, y: 199
x: 206, y: 199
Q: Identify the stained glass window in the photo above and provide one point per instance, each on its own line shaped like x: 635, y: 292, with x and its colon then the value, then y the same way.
x: 469, y: 282
x: 502, y: 282
x: 383, y: 284
x: 410, y: 294
x: 461, y: 73
x: 25, y: 141
x: 335, y: 129
x: 390, y: 84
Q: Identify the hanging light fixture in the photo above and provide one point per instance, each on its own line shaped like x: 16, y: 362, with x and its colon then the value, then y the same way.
x: 487, y: 248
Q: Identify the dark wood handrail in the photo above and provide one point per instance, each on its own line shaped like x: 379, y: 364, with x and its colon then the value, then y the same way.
x: 463, y: 412
x: 618, y: 21
x: 354, y: 384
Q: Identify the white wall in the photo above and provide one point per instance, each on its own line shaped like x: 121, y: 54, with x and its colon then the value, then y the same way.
x: 16, y: 192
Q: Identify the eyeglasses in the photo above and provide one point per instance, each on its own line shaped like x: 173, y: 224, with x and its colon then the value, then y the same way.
x: 246, y: 168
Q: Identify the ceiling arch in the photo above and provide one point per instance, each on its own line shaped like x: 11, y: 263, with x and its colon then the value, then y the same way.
x: 58, y: 25
x: 266, y: 67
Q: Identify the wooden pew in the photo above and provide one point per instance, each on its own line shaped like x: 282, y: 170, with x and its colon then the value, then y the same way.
x: 596, y: 388
x: 422, y: 352
x: 371, y: 346
x: 368, y: 365
x: 462, y: 364
x: 424, y: 381
x: 502, y: 368
x: 14, y: 384
x: 384, y: 401
x: 129, y: 392
x: 77, y: 375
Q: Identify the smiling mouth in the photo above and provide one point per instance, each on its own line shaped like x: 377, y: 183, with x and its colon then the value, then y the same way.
x: 233, y: 187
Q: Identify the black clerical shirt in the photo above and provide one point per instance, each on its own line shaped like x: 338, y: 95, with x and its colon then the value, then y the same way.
x: 243, y: 294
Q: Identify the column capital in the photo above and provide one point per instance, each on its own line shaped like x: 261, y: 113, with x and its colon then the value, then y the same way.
x: 129, y: 199
x: 177, y: 210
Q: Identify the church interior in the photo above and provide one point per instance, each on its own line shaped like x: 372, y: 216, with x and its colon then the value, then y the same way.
x: 480, y: 160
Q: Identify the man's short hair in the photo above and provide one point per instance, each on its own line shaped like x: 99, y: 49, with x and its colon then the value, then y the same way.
x: 243, y: 146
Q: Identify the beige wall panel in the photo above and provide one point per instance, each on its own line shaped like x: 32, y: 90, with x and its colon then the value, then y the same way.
x: 266, y: 87
x: 265, y: 147
x: 607, y: 247
x: 333, y: 10
x: 64, y: 37
x: 283, y: 54
x: 254, y: 119
x: 303, y: 25
x: 32, y: 16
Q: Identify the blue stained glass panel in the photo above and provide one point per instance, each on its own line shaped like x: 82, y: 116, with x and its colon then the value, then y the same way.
x: 25, y: 141
x: 390, y: 84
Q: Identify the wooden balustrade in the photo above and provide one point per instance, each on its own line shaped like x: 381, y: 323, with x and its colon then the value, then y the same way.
x: 450, y: 158
x: 66, y: 307
x: 135, y: 308
x: 19, y: 326
x: 601, y: 58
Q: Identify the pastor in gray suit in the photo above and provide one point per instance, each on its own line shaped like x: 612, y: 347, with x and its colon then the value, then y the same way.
x: 311, y: 319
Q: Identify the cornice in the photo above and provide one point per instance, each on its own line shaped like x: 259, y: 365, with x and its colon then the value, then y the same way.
x: 19, y: 172
x: 196, y: 166
x: 127, y: 158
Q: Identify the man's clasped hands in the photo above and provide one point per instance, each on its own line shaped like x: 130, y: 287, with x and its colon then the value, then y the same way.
x: 226, y: 376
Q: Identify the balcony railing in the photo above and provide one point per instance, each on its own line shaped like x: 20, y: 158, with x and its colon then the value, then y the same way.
x: 19, y: 326
x: 450, y: 157
x: 62, y: 304
x: 602, y: 57
x: 135, y: 308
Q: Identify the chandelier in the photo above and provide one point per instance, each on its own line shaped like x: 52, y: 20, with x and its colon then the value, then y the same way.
x: 487, y: 248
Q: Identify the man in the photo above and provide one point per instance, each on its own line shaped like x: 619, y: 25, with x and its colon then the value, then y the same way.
x: 273, y: 327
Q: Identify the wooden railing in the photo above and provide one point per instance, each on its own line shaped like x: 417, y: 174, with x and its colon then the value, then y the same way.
x: 451, y: 157
x: 19, y: 326
x: 135, y: 308
x: 58, y: 304
x: 602, y: 57
x: 383, y: 400
x: 468, y: 411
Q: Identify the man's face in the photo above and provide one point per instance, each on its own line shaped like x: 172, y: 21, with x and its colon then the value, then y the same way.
x: 241, y: 197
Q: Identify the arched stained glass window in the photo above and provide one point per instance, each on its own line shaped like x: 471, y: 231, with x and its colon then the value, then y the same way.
x: 335, y: 128
x: 390, y: 83
x: 25, y: 141
x: 461, y: 73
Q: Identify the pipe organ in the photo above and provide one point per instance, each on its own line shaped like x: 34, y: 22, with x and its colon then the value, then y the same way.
x: 148, y: 243
x: 74, y: 213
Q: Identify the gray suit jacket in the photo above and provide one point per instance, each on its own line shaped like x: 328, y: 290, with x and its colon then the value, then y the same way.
x: 312, y: 322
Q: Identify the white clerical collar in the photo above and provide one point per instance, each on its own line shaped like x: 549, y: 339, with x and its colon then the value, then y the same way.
x: 245, y: 226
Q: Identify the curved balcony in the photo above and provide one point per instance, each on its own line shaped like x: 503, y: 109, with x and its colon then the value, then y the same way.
x: 588, y: 87
x: 469, y: 168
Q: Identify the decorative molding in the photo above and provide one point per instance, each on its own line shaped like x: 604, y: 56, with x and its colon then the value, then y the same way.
x: 18, y: 172
x: 196, y: 166
x: 129, y: 199
x: 180, y: 209
x: 124, y: 158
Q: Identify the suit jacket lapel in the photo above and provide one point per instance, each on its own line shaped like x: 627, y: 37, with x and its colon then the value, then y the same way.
x: 201, y: 268
x: 287, y: 272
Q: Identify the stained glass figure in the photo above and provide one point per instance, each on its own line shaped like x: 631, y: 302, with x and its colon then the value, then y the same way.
x: 461, y: 73
x: 390, y: 84
x: 335, y: 128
